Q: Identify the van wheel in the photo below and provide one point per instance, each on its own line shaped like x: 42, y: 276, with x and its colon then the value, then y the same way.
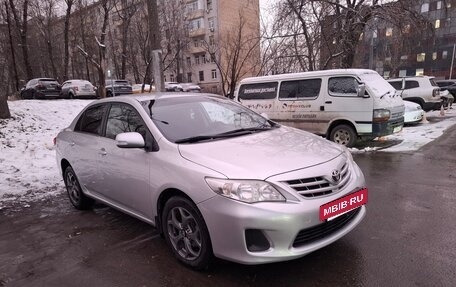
x: 343, y: 135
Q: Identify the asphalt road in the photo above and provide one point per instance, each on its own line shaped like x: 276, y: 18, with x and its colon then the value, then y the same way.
x: 408, y: 238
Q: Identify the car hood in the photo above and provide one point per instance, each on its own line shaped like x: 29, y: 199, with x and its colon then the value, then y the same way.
x: 263, y: 154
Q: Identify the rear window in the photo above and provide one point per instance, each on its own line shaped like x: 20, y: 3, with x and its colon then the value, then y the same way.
x: 122, y: 83
x: 300, y: 89
x: 433, y: 82
x: 261, y: 91
x: 47, y: 80
x: 411, y: 84
x: 90, y: 122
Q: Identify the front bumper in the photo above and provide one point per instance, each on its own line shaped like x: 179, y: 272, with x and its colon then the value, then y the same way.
x: 387, y: 128
x: 228, y: 221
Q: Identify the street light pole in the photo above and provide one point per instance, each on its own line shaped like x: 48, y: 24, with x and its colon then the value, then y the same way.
x: 452, y: 61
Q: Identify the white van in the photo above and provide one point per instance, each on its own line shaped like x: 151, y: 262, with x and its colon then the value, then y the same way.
x: 343, y: 105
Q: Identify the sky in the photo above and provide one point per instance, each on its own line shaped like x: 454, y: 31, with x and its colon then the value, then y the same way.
x: 27, y: 156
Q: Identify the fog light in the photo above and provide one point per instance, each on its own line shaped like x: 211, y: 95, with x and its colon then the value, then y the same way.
x: 256, y: 241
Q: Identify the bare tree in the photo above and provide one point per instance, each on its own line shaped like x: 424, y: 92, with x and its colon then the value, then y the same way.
x: 22, y: 28
x: 236, y: 55
x: 66, y: 30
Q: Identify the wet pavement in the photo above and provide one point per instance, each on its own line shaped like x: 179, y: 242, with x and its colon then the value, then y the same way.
x: 407, y: 238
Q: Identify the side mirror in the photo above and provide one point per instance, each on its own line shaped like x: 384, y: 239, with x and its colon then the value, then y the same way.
x: 130, y: 140
x: 361, y: 90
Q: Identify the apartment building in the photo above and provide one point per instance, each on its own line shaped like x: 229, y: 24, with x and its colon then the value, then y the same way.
x: 208, y: 22
x: 412, y: 48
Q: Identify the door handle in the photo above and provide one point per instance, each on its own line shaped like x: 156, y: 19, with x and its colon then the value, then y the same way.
x: 328, y: 102
x: 103, y: 152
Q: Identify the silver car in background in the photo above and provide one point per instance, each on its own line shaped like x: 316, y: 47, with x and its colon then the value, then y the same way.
x: 214, y: 177
x: 78, y: 89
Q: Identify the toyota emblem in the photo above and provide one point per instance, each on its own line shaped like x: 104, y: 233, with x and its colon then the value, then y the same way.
x: 335, y: 175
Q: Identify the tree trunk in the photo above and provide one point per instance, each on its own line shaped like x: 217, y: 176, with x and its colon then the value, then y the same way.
x: 4, y: 109
x: 13, y: 54
x: 65, y: 39
x: 154, y: 42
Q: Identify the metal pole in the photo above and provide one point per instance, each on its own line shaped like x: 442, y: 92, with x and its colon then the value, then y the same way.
x: 452, y: 61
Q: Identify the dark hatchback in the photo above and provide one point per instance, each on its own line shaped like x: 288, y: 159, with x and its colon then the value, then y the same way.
x: 118, y: 88
x: 41, y: 88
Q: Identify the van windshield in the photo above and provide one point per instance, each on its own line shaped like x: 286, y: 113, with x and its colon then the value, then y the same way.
x: 377, y: 84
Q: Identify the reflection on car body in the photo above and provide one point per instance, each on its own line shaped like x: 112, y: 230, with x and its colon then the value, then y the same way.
x: 213, y: 176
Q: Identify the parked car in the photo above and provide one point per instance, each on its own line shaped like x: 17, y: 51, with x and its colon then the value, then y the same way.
x: 41, y: 88
x: 137, y: 88
x: 190, y: 87
x: 450, y: 86
x: 118, y: 88
x: 78, y: 89
x: 421, y: 90
x: 413, y: 113
x: 214, y: 177
x: 173, y: 87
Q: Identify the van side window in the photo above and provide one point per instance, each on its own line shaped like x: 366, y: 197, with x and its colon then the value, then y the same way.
x: 260, y: 91
x: 411, y: 84
x: 302, y: 89
x: 343, y: 87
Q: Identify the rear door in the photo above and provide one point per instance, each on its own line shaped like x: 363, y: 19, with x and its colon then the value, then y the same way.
x: 299, y: 103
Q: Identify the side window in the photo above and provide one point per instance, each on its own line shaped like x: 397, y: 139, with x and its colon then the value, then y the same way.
x: 343, y: 87
x: 91, y: 121
x: 302, y: 89
x: 411, y: 84
x: 397, y: 85
x: 262, y: 91
x: 124, y: 118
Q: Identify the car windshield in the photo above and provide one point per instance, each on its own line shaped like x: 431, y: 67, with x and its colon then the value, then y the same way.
x: 194, y: 119
x: 377, y: 84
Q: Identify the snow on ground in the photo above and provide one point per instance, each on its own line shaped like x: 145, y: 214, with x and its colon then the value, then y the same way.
x: 28, y: 170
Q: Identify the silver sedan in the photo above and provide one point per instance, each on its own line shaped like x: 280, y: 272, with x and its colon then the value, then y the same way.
x: 214, y: 177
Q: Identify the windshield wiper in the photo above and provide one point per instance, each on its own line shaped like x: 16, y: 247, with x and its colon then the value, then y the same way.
x: 233, y: 133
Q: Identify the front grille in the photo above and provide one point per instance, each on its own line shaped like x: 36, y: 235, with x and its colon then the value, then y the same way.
x: 323, y: 230
x: 321, y: 185
x: 397, y: 115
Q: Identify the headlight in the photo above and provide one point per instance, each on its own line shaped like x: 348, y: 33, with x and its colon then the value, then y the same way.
x: 249, y: 191
x: 381, y: 115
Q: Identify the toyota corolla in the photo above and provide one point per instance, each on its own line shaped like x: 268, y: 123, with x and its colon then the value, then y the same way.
x: 214, y: 177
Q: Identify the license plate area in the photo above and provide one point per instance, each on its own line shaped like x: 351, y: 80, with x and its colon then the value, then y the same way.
x: 335, y: 208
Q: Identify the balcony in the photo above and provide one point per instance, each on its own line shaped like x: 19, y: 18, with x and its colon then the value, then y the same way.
x: 197, y: 50
x: 195, y: 14
x: 197, y: 32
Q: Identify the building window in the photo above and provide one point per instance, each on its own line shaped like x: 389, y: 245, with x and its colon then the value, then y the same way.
x: 197, y: 60
x: 374, y: 34
x: 404, y: 57
x: 439, y: 5
x: 211, y: 40
x: 214, y: 74
x: 444, y: 55
x: 189, y: 77
x: 209, y: 5
x: 402, y: 73
x: 211, y: 23
x: 203, y: 59
x: 421, y: 57
x: 171, y: 77
x: 201, y: 76
x: 437, y: 24
x: 212, y: 58
x: 388, y: 60
x: 389, y: 32
x: 192, y: 6
x: 424, y: 7
x: 386, y: 74
x: 419, y: 72
x: 189, y: 61
x: 434, y: 56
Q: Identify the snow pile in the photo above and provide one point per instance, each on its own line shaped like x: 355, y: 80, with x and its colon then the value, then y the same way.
x: 28, y: 169
x: 27, y: 155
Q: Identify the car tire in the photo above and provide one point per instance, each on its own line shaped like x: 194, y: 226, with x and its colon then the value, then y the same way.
x: 109, y: 94
x: 70, y: 96
x: 343, y: 135
x: 77, y: 197
x: 186, y: 233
